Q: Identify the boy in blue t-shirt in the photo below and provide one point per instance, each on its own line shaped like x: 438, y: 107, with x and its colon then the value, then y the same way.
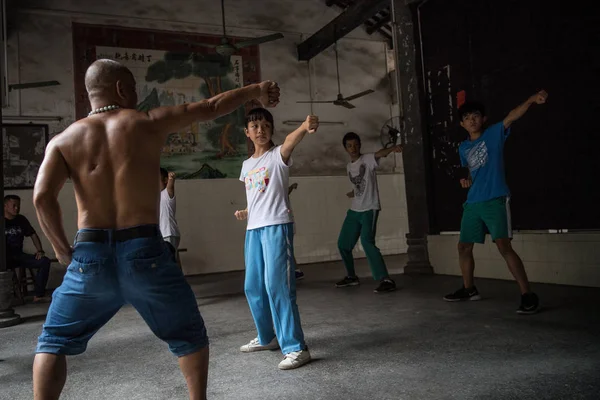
x: 487, y: 208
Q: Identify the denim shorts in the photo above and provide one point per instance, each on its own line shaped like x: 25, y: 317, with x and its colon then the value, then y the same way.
x: 102, y: 277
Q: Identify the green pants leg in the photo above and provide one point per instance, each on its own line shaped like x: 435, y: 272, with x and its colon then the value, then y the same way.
x: 367, y: 239
x: 363, y: 225
x: 347, y: 240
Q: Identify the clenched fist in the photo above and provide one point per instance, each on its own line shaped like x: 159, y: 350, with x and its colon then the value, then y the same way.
x: 466, y: 183
x: 540, y: 97
x: 311, y: 124
x: 241, y: 214
x: 269, y: 94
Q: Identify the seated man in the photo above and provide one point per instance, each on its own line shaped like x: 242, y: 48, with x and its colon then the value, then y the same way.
x: 16, y: 227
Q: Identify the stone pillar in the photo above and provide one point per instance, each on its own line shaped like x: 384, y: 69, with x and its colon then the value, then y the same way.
x: 414, y: 147
x: 7, y: 314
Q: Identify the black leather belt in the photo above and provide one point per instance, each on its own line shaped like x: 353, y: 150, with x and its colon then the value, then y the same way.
x: 121, y: 235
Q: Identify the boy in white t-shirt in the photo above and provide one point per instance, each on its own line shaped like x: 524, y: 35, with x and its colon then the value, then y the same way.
x: 361, y: 219
x: 167, y: 221
x: 270, y: 283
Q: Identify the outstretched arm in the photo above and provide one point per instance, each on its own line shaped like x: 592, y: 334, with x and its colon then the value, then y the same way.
x: 291, y: 141
x: 172, y: 118
x: 386, y: 152
x: 52, y: 175
x: 538, y: 98
x: 171, y: 185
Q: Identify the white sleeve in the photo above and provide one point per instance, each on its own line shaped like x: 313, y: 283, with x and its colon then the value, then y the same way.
x: 371, y: 161
x: 280, y: 158
x: 242, y: 174
x: 164, y: 196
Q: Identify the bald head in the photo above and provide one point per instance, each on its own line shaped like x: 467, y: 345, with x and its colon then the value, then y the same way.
x: 110, y: 81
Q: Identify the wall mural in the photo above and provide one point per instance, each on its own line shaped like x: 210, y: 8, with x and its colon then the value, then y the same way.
x: 169, y: 73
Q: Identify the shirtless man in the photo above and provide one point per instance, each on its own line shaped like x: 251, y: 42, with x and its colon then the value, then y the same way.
x: 119, y: 255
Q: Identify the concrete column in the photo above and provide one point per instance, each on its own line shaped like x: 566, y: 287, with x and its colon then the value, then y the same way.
x: 407, y: 67
x: 7, y: 314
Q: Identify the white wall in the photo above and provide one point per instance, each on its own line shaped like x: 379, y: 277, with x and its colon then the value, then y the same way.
x: 41, y: 48
x: 566, y: 258
x: 215, y: 239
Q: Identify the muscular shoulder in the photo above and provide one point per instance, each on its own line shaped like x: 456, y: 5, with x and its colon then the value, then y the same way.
x: 71, y: 133
x: 124, y: 120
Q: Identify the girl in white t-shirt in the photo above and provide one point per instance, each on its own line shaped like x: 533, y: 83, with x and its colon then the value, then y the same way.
x: 270, y: 283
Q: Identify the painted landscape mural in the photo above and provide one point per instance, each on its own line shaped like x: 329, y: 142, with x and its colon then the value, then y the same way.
x: 171, y: 71
x: 213, y: 149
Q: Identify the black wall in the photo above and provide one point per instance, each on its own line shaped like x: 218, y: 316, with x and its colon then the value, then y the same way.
x: 501, y: 52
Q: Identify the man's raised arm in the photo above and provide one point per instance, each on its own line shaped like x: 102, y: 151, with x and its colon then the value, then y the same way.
x: 51, y: 177
x: 173, y: 118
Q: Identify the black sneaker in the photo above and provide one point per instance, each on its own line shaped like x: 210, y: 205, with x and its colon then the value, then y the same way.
x: 348, y: 281
x: 463, y: 294
x: 530, y: 304
x: 386, y: 285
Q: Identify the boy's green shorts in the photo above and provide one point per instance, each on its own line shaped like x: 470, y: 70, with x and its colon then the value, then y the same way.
x: 492, y: 216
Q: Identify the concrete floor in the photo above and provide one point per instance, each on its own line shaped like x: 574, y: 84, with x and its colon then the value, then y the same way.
x: 405, y: 345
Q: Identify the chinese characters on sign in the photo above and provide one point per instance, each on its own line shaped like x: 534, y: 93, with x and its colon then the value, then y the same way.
x: 118, y: 56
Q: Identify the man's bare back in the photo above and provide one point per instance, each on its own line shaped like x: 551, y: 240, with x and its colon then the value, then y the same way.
x: 112, y: 160
x: 113, y: 157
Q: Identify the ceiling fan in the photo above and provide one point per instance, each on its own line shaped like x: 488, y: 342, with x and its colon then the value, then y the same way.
x: 226, y: 48
x: 341, y: 100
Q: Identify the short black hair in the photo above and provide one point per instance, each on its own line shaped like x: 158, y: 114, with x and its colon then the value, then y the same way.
x: 471, y: 107
x: 259, y: 114
x: 350, y: 136
x: 164, y: 173
x: 11, y: 197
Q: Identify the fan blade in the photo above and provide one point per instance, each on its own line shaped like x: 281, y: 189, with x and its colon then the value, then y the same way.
x: 258, y: 40
x: 357, y: 95
x: 392, y: 130
x: 314, y: 101
x: 346, y: 104
x: 18, y: 86
x: 210, y: 46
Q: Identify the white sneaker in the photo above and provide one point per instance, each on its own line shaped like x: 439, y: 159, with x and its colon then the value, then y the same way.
x: 255, y: 345
x: 295, y: 359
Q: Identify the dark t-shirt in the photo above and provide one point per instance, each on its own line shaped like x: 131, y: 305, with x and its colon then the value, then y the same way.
x: 15, y: 230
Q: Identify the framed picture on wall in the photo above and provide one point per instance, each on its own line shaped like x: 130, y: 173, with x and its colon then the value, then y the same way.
x: 23, y: 153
